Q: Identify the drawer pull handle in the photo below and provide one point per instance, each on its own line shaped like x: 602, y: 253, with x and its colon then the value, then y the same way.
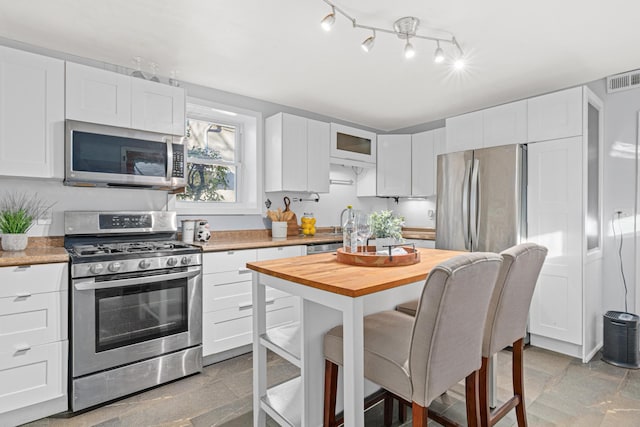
x: 244, y: 271
x: 22, y: 347
x: 246, y: 305
x: 23, y: 295
x: 22, y: 268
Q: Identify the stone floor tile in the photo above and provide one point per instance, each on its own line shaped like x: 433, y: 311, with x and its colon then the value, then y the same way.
x: 631, y: 385
x: 224, y: 414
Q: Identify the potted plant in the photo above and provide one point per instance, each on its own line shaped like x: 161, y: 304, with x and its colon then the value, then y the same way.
x: 386, y: 228
x: 18, y: 212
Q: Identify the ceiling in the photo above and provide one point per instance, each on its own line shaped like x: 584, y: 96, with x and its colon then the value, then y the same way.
x: 276, y: 51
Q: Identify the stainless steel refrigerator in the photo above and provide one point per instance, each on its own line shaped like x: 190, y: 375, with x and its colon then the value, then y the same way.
x: 481, y: 204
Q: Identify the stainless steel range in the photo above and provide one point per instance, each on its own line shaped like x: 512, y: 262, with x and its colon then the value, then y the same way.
x: 136, y: 304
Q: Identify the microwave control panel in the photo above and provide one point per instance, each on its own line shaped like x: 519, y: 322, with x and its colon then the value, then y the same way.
x: 178, y: 161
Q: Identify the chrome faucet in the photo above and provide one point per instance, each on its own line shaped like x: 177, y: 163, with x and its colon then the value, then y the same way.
x: 337, y: 229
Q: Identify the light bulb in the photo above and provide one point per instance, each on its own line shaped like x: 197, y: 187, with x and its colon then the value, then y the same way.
x: 367, y: 45
x: 327, y: 21
x: 459, y: 64
x: 438, y: 56
x: 409, y: 51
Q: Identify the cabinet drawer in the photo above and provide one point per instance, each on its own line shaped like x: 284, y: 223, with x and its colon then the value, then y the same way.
x: 33, y: 279
x: 265, y: 254
x: 37, y: 319
x: 232, y: 296
x: 217, y: 262
x: 222, y: 334
x: 32, y: 376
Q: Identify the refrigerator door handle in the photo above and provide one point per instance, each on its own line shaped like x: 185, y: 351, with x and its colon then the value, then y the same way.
x: 475, y: 222
x: 465, y: 205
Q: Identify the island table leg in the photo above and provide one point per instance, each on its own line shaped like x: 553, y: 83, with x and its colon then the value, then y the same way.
x: 259, y: 351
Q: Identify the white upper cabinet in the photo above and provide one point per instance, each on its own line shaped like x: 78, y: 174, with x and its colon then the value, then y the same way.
x: 108, y: 98
x: 505, y: 124
x: 98, y: 96
x: 157, y: 107
x: 439, y: 147
x: 465, y: 132
x: 296, y: 154
x: 555, y: 115
x: 394, y: 165
x: 31, y: 115
x: 422, y: 163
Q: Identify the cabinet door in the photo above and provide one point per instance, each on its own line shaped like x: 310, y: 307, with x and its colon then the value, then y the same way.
x: 318, y: 139
x: 556, y: 115
x: 157, y: 107
x: 505, y: 124
x: 465, y: 132
x: 394, y: 165
x: 31, y: 115
x: 98, y: 96
x: 422, y: 176
x: 554, y: 212
x: 439, y: 147
x: 294, y: 153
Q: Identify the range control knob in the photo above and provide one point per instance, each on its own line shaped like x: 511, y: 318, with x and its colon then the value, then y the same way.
x: 96, y: 268
x: 114, y: 266
x: 145, y: 263
x: 186, y: 260
x: 171, y: 262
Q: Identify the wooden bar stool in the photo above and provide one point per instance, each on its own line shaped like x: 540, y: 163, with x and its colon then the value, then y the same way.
x: 505, y: 325
x: 417, y: 359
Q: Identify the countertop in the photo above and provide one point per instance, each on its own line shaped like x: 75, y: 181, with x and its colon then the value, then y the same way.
x: 323, y: 271
x: 36, y: 255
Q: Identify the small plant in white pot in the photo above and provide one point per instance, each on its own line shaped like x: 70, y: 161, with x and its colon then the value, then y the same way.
x: 18, y: 212
x: 387, y: 229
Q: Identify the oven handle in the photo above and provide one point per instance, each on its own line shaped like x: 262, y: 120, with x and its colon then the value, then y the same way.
x: 91, y: 284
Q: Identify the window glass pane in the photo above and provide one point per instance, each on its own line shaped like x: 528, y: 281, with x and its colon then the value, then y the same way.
x: 210, y: 183
x: 353, y: 144
x: 213, y: 141
x: 593, y: 193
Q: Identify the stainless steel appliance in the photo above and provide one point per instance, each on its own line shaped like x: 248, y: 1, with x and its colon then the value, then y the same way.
x: 98, y: 155
x: 136, y: 304
x: 321, y: 248
x: 481, y: 203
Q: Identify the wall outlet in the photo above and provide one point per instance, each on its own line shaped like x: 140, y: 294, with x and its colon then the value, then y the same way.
x: 46, y: 217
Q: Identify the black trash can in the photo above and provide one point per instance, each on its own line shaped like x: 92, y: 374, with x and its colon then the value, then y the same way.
x: 621, y: 339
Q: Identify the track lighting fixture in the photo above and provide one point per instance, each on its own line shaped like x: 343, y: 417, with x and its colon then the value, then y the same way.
x: 405, y: 29
x: 409, y: 51
x: 438, y: 56
x: 367, y: 45
x: 327, y: 21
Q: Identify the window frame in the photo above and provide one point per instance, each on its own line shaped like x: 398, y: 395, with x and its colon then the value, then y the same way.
x: 249, y: 158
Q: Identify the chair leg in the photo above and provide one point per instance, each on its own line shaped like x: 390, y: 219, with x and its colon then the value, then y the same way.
x: 485, y: 410
x: 402, y: 411
x: 419, y: 415
x: 330, y: 391
x: 471, y: 396
x: 518, y: 381
x: 388, y: 409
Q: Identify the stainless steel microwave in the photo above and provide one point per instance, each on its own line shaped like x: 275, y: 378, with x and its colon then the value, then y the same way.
x: 109, y: 156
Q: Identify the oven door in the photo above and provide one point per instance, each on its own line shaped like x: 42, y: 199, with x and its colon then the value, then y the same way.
x: 120, y: 319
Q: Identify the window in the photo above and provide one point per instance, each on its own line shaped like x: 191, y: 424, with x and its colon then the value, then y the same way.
x: 222, y: 160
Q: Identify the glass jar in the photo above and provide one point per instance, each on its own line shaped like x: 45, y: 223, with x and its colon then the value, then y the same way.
x: 308, y: 223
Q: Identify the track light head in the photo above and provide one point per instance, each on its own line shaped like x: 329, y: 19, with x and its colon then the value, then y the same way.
x: 369, y: 42
x: 327, y: 21
x: 438, y: 56
x: 459, y: 64
x: 409, y: 51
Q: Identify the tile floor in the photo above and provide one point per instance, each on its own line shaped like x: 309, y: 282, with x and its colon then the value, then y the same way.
x: 560, y: 391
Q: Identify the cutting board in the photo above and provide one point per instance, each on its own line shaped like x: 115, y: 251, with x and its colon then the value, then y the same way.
x: 292, y: 224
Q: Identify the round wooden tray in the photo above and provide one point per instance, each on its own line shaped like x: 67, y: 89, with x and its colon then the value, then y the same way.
x: 369, y: 258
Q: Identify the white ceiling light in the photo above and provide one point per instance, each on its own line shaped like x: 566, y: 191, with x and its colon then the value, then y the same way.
x: 404, y: 28
x: 367, y: 45
x: 438, y: 56
x: 327, y: 21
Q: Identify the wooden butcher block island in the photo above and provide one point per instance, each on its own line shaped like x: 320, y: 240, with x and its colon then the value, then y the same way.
x: 331, y: 293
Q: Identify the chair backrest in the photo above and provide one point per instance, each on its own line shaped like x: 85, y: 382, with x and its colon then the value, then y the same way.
x: 509, y: 307
x: 446, y: 340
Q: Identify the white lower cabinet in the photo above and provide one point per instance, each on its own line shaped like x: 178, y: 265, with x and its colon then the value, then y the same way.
x: 33, y: 342
x: 227, y: 302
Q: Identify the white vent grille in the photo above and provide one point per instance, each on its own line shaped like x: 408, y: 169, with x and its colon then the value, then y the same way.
x: 624, y: 81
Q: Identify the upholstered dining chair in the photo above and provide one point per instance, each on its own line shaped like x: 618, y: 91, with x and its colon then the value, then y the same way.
x: 506, y: 325
x: 418, y: 359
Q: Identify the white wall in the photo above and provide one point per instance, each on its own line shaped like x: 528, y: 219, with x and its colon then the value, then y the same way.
x: 619, y: 193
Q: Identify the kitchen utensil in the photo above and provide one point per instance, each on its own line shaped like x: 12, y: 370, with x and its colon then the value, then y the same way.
x: 292, y: 221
